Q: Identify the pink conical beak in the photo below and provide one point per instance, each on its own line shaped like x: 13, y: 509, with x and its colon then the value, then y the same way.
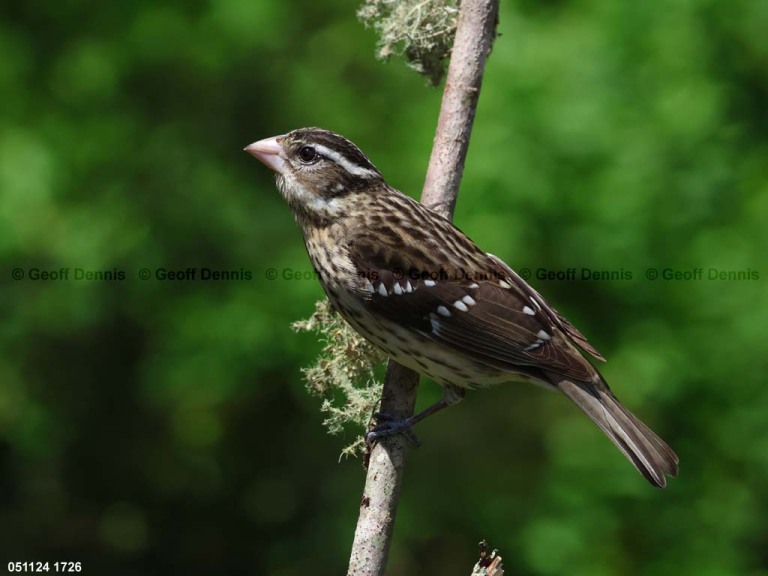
x: 268, y: 151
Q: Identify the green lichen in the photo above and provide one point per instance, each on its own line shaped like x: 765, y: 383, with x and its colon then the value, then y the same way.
x: 420, y: 30
x: 344, y: 374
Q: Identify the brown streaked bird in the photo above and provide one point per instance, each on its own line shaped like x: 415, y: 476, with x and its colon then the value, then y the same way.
x: 417, y: 287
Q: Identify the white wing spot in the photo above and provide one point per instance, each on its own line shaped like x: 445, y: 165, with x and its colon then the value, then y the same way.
x: 506, y: 285
x: 474, y: 285
x: 434, y: 322
x: 369, y: 287
x: 429, y: 283
x: 443, y: 311
x: 383, y: 289
x: 398, y: 289
x: 543, y: 335
x: 408, y: 287
x: 460, y: 305
x: 534, y: 345
x: 528, y: 310
x: 469, y: 300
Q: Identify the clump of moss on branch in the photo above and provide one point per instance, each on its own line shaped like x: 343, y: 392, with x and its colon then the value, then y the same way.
x: 420, y: 30
x: 344, y: 374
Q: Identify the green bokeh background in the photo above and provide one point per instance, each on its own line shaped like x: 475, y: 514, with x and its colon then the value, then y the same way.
x: 156, y: 427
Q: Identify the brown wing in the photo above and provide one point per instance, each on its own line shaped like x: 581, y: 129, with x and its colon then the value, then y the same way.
x: 482, y: 310
x: 554, y: 316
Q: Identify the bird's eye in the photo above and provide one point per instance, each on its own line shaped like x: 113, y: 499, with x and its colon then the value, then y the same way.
x: 307, y: 154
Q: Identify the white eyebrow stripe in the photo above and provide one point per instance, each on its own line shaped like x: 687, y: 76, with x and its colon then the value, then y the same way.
x: 353, y: 169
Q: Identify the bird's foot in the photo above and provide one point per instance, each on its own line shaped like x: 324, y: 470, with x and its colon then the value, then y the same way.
x: 387, y: 425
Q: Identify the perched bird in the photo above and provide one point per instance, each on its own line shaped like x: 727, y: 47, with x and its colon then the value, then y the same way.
x: 417, y: 287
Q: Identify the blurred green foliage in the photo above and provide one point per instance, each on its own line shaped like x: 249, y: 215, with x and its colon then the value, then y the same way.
x: 154, y: 427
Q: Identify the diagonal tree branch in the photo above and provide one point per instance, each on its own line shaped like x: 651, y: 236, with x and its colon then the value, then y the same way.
x: 475, y: 33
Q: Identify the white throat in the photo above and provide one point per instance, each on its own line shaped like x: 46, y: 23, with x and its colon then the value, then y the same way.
x: 303, y: 200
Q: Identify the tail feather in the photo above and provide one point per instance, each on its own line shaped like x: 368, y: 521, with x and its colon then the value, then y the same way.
x: 647, y: 452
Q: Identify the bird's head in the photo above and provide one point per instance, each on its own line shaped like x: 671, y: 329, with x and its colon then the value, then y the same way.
x: 318, y: 172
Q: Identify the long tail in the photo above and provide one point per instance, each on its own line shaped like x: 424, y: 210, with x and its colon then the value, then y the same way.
x: 649, y: 453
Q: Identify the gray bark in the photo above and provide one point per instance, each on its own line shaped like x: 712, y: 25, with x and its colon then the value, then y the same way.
x: 476, y: 29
